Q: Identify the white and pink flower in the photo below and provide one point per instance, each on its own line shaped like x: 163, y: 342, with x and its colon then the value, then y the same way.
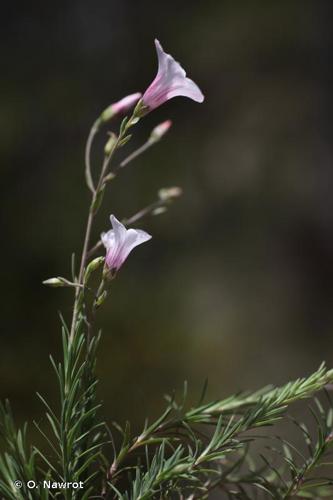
x: 170, y: 81
x: 119, y: 242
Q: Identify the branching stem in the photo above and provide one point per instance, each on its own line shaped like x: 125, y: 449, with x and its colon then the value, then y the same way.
x: 94, y: 205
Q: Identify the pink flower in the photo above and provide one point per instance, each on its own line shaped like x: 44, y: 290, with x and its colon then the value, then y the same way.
x: 119, y: 242
x: 159, y: 131
x: 170, y: 81
x: 121, y: 106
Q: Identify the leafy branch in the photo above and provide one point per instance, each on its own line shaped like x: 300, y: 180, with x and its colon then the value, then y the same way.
x: 204, y: 451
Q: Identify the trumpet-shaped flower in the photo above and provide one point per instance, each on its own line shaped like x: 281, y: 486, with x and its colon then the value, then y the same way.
x: 119, y: 242
x: 170, y: 81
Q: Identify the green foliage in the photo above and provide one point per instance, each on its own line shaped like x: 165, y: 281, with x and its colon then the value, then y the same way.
x: 18, y: 462
x: 185, y: 453
x: 76, y: 435
x: 191, y: 453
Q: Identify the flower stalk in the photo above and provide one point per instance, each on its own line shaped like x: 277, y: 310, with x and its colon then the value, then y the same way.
x: 97, y: 194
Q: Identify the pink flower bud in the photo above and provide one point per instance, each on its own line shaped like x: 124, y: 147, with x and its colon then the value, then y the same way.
x: 159, y: 131
x: 170, y: 81
x: 122, y: 106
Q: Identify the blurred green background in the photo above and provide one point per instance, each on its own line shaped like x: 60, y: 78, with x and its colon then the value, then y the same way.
x: 237, y: 283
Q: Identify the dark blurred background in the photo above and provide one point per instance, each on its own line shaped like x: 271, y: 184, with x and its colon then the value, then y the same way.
x: 237, y: 283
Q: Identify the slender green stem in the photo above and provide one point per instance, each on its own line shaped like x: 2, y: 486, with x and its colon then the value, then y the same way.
x: 91, y: 215
x: 83, y: 261
x: 136, y: 153
x: 96, y: 192
x: 93, y: 131
x: 143, y: 212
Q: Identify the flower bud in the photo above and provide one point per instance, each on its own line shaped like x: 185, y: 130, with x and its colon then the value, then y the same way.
x: 121, y: 106
x: 159, y: 131
x: 93, y: 266
x: 166, y: 194
x: 99, y: 301
x: 159, y: 210
x: 109, y: 177
x: 55, y: 282
x: 110, y: 144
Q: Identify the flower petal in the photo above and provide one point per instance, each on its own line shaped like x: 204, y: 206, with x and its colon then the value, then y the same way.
x: 119, y: 230
x: 134, y: 237
x: 185, y: 88
x: 113, y: 241
x: 166, y: 63
x: 119, y: 242
x: 170, y: 81
x: 108, y: 239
